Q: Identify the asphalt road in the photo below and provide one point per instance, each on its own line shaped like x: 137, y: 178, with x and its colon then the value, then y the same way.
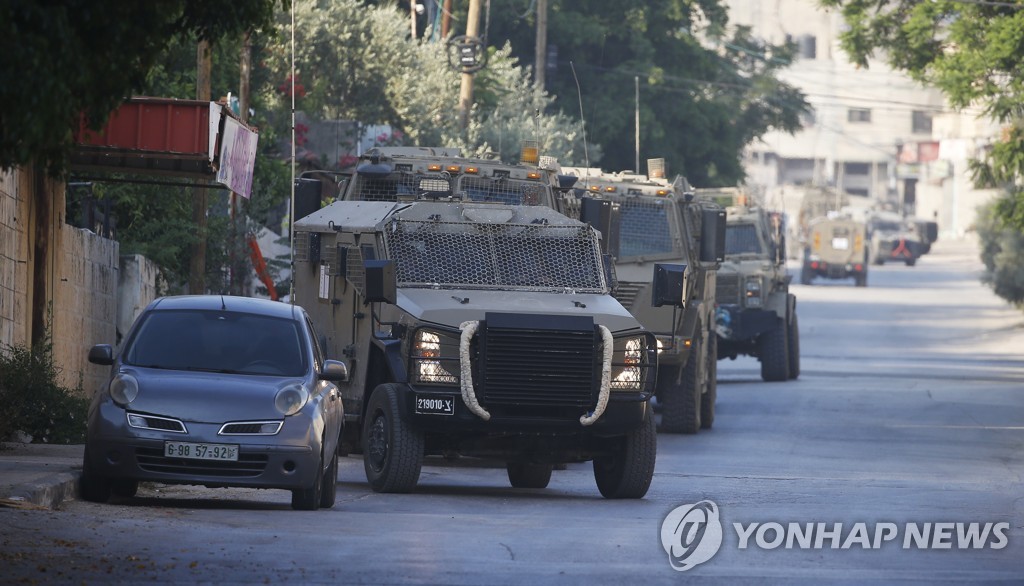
x: 909, y: 414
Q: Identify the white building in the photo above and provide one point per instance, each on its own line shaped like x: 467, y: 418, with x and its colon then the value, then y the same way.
x: 873, y: 132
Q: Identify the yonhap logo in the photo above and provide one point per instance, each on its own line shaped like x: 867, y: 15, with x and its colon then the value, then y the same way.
x: 691, y: 534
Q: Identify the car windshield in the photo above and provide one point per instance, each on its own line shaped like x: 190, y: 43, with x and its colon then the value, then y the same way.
x: 644, y: 228
x: 217, y: 341
x: 741, y: 239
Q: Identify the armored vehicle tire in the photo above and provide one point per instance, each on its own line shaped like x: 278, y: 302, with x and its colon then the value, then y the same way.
x: 794, y: 348
x: 879, y: 261
x: 528, y: 475
x: 626, y: 472
x: 861, y: 279
x: 773, y: 348
x: 392, y: 451
x: 680, y: 401
x: 805, y: 275
x: 707, y: 402
x: 911, y: 262
x: 329, y: 492
x: 308, y: 499
x: 93, y: 486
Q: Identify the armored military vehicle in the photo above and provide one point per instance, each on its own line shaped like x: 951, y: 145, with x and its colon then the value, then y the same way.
x: 658, y: 221
x: 836, y: 248
x: 756, y: 313
x: 894, y: 239
x: 477, y: 329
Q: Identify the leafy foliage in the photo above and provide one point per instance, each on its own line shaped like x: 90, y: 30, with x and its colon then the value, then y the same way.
x: 705, y: 92
x: 31, y: 400
x: 969, y: 50
x: 357, y: 62
x: 1002, y: 252
x: 73, y: 58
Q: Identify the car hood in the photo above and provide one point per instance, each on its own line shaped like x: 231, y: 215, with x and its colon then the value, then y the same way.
x: 206, y: 397
x: 452, y: 307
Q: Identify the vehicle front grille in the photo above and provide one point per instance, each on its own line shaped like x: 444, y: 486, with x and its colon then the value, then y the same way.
x: 251, y: 428
x: 247, y: 466
x: 626, y: 293
x: 728, y: 289
x: 534, y: 362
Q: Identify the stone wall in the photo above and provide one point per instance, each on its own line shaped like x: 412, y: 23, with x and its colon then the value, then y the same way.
x: 85, y: 304
x: 14, y: 320
x: 136, y: 288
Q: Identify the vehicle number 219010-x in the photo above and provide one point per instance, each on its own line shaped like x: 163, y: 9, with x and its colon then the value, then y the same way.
x: 195, y: 451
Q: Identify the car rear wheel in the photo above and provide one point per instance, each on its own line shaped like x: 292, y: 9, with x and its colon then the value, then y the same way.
x: 528, y: 475
x: 308, y: 499
x: 626, y: 471
x: 392, y: 450
x: 93, y: 486
x: 773, y: 348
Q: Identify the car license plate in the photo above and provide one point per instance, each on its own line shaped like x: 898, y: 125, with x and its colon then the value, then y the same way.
x: 193, y: 451
x: 841, y: 243
x: 435, y: 404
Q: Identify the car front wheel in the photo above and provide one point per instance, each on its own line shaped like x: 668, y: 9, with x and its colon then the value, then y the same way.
x: 308, y: 499
x: 392, y: 450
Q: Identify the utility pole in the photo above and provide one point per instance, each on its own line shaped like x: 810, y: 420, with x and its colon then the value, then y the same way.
x: 636, y: 88
x: 446, y: 18
x: 197, y: 265
x: 237, y: 271
x: 540, y: 54
x: 412, y: 15
x: 466, y: 89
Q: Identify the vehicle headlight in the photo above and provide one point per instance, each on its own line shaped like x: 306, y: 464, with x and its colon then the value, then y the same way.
x: 434, y: 357
x: 753, y: 293
x: 291, y: 398
x: 629, y: 364
x: 124, y: 388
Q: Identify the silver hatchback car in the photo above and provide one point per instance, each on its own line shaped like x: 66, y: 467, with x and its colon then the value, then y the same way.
x: 217, y: 391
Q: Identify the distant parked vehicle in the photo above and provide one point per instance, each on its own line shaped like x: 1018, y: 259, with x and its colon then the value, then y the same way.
x: 217, y: 391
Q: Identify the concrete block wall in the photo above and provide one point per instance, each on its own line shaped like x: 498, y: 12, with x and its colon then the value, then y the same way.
x: 136, y: 288
x: 13, y: 261
x: 84, y: 305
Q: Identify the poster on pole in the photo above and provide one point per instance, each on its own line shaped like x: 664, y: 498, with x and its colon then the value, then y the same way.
x: 237, y: 157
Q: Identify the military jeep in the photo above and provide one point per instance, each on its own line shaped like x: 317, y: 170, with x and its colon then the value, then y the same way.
x: 659, y: 222
x: 476, y: 329
x: 836, y: 248
x: 756, y: 314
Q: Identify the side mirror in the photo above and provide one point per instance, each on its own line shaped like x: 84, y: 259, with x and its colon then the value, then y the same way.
x: 334, y: 371
x: 609, y: 271
x: 669, y: 285
x: 102, y: 354
x: 712, y: 236
x: 380, y: 281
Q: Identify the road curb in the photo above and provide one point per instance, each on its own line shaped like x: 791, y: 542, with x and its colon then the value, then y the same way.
x: 50, y: 492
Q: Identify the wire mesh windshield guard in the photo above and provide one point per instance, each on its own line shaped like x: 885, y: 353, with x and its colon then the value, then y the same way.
x: 468, y: 255
x: 405, y: 185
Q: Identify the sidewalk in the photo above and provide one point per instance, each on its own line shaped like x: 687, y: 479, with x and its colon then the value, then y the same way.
x: 38, y: 475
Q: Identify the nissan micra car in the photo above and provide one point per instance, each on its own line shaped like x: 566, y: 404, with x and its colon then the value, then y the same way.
x: 217, y: 391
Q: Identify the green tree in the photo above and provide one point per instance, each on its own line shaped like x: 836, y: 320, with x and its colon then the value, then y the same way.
x: 969, y: 50
x: 706, y: 90
x: 357, y: 62
x: 71, y: 58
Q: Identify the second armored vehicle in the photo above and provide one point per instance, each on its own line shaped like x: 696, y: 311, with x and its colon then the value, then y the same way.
x: 756, y: 313
x: 658, y: 221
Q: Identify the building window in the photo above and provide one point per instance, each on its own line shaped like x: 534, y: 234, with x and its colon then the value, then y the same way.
x: 921, y: 122
x: 858, y: 115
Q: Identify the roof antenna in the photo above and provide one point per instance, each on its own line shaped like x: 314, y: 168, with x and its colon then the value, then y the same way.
x: 583, y: 121
x: 223, y: 306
